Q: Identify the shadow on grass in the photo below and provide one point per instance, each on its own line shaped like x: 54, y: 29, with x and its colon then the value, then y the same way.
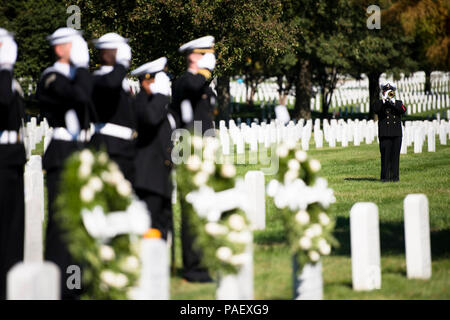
x: 392, y: 239
x: 361, y: 179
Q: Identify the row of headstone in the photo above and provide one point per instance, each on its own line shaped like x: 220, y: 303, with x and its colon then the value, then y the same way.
x: 236, y: 138
x: 365, y: 242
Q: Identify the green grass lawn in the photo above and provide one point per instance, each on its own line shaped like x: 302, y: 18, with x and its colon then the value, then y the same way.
x: 353, y: 173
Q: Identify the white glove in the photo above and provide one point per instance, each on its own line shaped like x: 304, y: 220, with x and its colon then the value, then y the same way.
x: 392, y: 100
x: 161, y: 84
x: 79, y: 53
x: 123, y: 55
x: 208, y: 61
x: 8, y: 53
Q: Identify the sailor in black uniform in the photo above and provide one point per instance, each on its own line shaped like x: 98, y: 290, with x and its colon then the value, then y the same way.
x: 116, y: 129
x: 12, y: 160
x: 389, y: 113
x: 63, y: 93
x: 191, y: 103
x: 154, y: 145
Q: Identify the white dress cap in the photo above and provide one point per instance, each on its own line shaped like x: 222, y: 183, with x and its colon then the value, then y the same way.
x: 63, y: 35
x: 206, y: 42
x: 150, y: 67
x: 109, y: 40
x: 388, y: 85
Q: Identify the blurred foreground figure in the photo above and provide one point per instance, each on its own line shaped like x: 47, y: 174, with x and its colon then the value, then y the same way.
x: 154, y: 145
x: 64, y: 92
x: 192, y: 101
x: 12, y: 160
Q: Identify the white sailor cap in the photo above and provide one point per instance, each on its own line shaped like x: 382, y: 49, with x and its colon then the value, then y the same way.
x: 5, y: 33
x: 109, y: 40
x: 387, y: 86
x: 149, y: 68
x: 200, y: 45
x: 63, y: 35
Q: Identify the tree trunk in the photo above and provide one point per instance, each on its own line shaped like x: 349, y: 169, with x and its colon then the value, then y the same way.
x: 302, y: 107
x: 325, y: 105
x: 223, y: 97
x: 374, y: 91
x: 428, y: 80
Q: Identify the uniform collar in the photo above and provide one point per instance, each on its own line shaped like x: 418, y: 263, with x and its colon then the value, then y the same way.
x: 65, y: 69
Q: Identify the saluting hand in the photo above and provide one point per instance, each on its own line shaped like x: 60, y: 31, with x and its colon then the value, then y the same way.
x: 79, y: 53
x: 123, y: 55
x: 208, y: 61
x: 161, y: 84
x: 8, y: 52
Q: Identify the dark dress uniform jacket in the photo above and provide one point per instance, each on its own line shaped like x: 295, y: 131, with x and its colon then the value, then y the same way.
x: 57, y: 94
x: 389, y: 118
x: 12, y: 160
x: 193, y: 87
x: 12, y: 114
x: 114, y: 105
x: 154, y: 146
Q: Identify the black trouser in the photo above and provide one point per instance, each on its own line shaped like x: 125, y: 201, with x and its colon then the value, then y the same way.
x: 12, y: 221
x: 55, y: 245
x: 192, y: 268
x: 160, y: 210
x: 390, y: 157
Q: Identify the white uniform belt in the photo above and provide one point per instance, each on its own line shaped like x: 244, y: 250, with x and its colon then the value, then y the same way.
x: 9, y: 137
x: 115, y: 130
x: 61, y: 133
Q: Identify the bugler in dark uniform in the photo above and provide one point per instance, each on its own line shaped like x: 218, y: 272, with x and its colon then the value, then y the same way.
x: 154, y: 145
x: 116, y: 129
x: 389, y: 113
x: 64, y: 92
x: 191, y: 101
x: 12, y: 160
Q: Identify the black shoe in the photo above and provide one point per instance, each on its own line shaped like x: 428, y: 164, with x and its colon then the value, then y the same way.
x: 384, y: 180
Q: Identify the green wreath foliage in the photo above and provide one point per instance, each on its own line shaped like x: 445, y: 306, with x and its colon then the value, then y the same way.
x: 89, y: 179
x: 222, y: 243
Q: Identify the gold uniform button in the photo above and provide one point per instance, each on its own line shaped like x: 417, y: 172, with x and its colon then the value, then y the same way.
x: 167, y: 163
x: 388, y: 123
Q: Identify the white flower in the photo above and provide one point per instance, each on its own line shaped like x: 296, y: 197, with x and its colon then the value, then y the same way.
x: 131, y: 264
x: 87, y: 194
x: 272, y: 188
x: 113, y: 167
x: 200, y: 178
x: 84, y: 170
x: 293, y: 165
x: 314, y: 256
x: 193, y: 163
x: 106, y: 253
x: 95, y: 183
x: 106, y: 176
x: 236, y: 222
x: 228, y: 170
x: 310, y: 233
x: 316, y: 229
x: 102, y: 158
x: 239, y: 259
x: 124, y: 188
x: 282, y: 151
x: 305, y: 243
x: 120, y: 280
x: 239, y: 237
x: 314, y: 165
x: 324, y: 219
x: 197, y: 142
x: 324, y: 247
x: 224, y: 253
x: 302, y: 217
x: 290, y: 176
x: 86, y: 157
x: 117, y: 280
x: 301, y: 155
x: 215, y: 229
x: 117, y: 177
x: 208, y: 167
